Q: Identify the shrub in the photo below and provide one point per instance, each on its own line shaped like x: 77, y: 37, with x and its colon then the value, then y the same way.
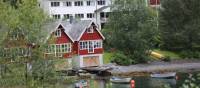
x: 190, y: 54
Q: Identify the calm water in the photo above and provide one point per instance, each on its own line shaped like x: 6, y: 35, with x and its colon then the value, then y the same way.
x: 141, y: 82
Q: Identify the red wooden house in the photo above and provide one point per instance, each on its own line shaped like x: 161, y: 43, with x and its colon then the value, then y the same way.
x: 78, y: 41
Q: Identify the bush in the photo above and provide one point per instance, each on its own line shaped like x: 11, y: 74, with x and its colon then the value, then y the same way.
x: 167, y: 58
x: 120, y: 59
x: 190, y: 54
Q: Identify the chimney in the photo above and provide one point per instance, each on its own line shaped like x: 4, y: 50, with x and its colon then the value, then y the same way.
x: 71, y: 19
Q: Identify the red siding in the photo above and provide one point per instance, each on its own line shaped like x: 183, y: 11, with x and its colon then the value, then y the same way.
x: 91, y: 36
x: 64, y: 39
x: 96, y: 51
x: 154, y: 2
x: 75, y: 47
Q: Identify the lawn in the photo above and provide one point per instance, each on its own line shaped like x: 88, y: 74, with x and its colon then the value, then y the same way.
x: 171, y: 54
x: 107, y: 57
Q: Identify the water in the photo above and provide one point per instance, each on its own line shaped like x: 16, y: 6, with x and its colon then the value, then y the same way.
x: 140, y: 82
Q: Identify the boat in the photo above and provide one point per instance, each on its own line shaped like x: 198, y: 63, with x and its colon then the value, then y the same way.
x: 120, y: 80
x: 164, y: 75
x: 81, y: 84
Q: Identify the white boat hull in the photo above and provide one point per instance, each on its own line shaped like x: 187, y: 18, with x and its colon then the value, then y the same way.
x: 164, y: 75
x: 120, y: 80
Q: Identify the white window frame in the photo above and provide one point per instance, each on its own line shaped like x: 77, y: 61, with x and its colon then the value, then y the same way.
x: 58, y: 48
x: 98, y: 44
x: 78, y: 3
x: 90, y: 3
x: 92, y: 46
x: 67, y: 3
x: 67, y: 16
x: 54, y: 4
x: 90, y: 29
x: 66, y: 48
x: 101, y: 2
x: 90, y: 15
x: 56, y: 16
x: 80, y: 15
x: 83, y: 45
x: 58, y: 33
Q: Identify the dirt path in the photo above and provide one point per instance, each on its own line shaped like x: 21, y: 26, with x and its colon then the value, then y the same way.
x: 145, y: 69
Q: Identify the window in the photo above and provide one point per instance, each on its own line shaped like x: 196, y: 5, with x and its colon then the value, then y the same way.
x: 78, y: 3
x: 98, y: 44
x: 79, y: 15
x: 68, y: 3
x: 59, y: 48
x: 90, y: 3
x: 90, y: 15
x: 50, y: 49
x: 83, y: 45
x: 58, y: 33
x: 101, y: 2
x: 67, y: 16
x: 66, y: 48
x: 90, y: 29
x: 55, y: 4
x: 90, y: 47
x: 56, y: 16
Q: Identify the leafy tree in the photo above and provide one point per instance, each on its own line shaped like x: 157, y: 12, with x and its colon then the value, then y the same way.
x: 131, y: 30
x: 27, y: 20
x: 180, y: 24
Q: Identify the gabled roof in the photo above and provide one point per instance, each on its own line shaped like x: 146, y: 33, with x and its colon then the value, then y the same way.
x: 74, y: 30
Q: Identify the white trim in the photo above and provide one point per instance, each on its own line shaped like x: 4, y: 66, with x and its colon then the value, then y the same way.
x: 65, y: 32
x: 94, y: 29
x: 93, y: 44
x: 84, y: 31
x: 100, y: 33
x: 80, y: 45
x: 58, y: 32
x: 61, y: 32
x: 90, y: 30
x: 80, y: 58
x: 60, y: 47
x: 92, y: 47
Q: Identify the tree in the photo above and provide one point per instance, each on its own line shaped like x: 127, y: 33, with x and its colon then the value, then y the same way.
x: 180, y: 24
x: 26, y: 18
x: 131, y: 30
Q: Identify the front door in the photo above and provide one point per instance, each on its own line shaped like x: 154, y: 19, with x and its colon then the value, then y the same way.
x: 91, y: 47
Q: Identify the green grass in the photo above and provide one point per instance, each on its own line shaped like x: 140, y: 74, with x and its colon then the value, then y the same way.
x: 107, y: 57
x: 171, y: 54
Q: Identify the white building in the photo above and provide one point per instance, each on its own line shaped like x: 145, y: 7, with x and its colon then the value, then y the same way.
x: 96, y: 10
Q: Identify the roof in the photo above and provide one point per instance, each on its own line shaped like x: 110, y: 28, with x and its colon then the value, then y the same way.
x: 102, y: 8
x: 74, y: 30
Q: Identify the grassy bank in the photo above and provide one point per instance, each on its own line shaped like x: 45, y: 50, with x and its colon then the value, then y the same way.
x: 107, y: 57
x: 173, y: 55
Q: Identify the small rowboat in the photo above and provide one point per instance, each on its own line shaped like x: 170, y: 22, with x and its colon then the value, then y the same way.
x: 164, y: 75
x: 81, y: 84
x: 120, y: 80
